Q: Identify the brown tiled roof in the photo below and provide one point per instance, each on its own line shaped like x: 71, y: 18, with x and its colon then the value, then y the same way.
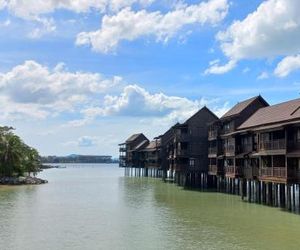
x: 142, y: 145
x: 133, y: 137
x: 203, y: 109
x: 239, y: 107
x: 278, y: 113
x: 152, y: 145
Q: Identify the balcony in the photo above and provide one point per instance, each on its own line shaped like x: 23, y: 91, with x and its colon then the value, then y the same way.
x: 212, y: 134
x: 276, y: 172
x: 272, y: 145
x: 233, y: 171
x: 229, y: 149
x: 122, y: 149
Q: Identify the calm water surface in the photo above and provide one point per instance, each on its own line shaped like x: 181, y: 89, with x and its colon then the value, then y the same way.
x: 95, y: 207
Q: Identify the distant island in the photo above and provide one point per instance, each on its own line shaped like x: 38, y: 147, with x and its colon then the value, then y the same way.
x: 74, y: 158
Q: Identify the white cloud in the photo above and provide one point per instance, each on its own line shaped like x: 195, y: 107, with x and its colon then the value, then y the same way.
x: 30, y: 9
x: 215, y: 68
x: 160, y: 108
x: 246, y: 70
x: 33, y: 91
x: 46, y: 25
x: 130, y: 25
x: 37, y: 10
x: 272, y: 30
x: 287, y: 65
x: 83, y: 141
x: 33, y: 87
x: 263, y: 75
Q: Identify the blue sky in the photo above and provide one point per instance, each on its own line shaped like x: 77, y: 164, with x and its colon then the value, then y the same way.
x: 80, y: 76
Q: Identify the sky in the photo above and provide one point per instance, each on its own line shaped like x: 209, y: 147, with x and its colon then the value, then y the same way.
x: 80, y: 76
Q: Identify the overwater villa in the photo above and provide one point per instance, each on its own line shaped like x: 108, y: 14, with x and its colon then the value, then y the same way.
x: 253, y: 150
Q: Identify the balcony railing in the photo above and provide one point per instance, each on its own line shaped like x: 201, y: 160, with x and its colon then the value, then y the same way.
x: 212, y: 134
x: 122, y: 149
x: 272, y: 145
x: 277, y: 172
x: 229, y: 149
x: 233, y: 170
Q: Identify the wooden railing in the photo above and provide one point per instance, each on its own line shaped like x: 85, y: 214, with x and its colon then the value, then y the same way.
x: 273, y: 172
x: 212, y: 134
x: 228, y: 130
x: 229, y: 149
x: 233, y: 170
x: 272, y: 145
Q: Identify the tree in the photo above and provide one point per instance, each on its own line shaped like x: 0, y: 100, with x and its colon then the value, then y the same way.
x: 32, y: 161
x: 15, y: 156
x: 11, y: 154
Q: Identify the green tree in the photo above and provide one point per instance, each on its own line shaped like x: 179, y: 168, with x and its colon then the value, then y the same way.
x: 11, y: 155
x: 32, y: 163
x: 15, y: 156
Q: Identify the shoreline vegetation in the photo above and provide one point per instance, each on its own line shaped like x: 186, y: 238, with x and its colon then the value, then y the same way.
x: 19, y: 163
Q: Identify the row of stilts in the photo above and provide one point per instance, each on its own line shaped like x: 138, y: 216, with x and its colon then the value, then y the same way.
x: 144, y: 172
x: 286, y: 196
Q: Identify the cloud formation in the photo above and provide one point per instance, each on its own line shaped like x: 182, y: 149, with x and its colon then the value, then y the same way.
x: 32, y: 86
x: 130, y: 25
x: 272, y: 30
x: 38, y: 10
x: 287, y: 65
x: 32, y: 90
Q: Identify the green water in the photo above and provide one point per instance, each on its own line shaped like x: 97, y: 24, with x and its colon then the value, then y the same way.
x: 95, y: 207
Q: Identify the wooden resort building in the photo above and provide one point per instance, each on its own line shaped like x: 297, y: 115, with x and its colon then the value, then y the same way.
x: 187, y: 160
x: 226, y: 147
x: 253, y: 150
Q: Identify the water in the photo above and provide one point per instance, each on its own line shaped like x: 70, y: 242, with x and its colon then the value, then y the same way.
x: 95, y: 207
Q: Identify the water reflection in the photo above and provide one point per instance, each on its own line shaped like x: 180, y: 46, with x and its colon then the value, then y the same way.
x: 95, y: 207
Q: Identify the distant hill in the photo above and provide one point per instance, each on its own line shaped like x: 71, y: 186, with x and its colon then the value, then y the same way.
x: 74, y: 158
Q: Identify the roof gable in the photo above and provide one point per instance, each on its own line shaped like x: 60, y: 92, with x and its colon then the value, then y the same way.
x: 241, y: 106
x: 134, y: 137
x: 278, y: 113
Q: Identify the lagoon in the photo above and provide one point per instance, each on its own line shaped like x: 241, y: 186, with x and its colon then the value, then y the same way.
x: 93, y: 206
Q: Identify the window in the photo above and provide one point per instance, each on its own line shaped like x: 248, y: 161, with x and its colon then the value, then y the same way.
x: 192, y: 162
